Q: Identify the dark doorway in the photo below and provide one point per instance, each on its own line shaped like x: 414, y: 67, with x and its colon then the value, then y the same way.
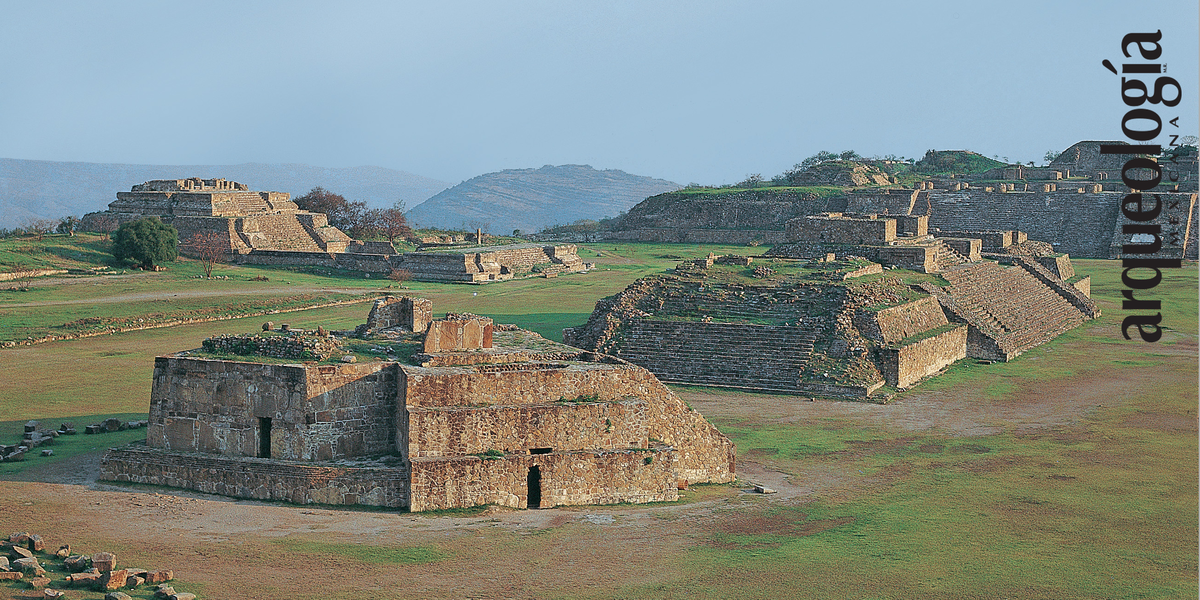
x: 541, y: 450
x: 264, y: 437
x: 535, y: 487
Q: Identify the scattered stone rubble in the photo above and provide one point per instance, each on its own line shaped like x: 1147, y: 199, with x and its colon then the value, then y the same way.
x: 25, y: 558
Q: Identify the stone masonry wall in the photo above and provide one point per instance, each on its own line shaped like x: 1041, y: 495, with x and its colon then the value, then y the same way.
x: 836, y: 229
x: 906, y: 365
x: 574, y: 478
x: 560, y: 426
x: 317, y: 412
x: 258, y: 479
x: 704, y: 454
x: 890, y: 325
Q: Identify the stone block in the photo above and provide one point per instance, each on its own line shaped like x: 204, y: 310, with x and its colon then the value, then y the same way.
x: 10, y: 575
x: 113, y: 580
x: 117, y: 596
x: 104, y: 561
x: 29, y: 566
x: 38, y: 582
x: 63, y: 551
x: 76, y: 563
x: 35, y: 541
x: 159, y: 577
x: 19, y: 552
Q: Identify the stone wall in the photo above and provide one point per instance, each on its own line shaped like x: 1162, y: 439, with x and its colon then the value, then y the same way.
x: 968, y: 248
x: 317, y: 412
x: 703, y: 454
x: 893, y: 324
x: 258, y: 479
x: 457, y: 334
x: 1081, y: 224
x: 905, y: 365
x: 884, y: 202
x: 561, y: 426
x: 700, y: 236
x: 413, y: 314
x: 837, y: 229
x: 571, y: 478
x: 275, y: 346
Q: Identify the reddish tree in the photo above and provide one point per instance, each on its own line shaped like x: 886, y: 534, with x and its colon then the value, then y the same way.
x: 210, y: 247
x: 340, y: 212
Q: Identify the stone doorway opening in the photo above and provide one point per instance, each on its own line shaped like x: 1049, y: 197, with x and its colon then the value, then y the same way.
x: 534, y: 480
x: 264, y: 437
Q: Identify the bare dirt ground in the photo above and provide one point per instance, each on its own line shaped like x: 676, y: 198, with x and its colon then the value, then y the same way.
x: 238, y: 549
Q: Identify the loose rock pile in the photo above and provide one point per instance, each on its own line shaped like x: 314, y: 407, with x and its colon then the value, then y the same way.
x: 20, y: 561
x: 33, y: 437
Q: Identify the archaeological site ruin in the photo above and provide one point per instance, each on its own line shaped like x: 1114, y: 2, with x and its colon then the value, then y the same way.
x: 417, y: 413
x: 267, y: 228
x: 852, y: 306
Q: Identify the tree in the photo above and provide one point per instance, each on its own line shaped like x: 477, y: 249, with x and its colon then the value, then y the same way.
x: 145, y: 241
x: 393, y: 224
x: 104, y: 223
x: 1051, y: 155
x: 210, y: 247
x: 68, y: 225
x: 39, y: 228
x: 752, y: 181
x: 340, y: 212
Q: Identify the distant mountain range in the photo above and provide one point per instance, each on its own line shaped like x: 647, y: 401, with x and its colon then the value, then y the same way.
x: 530, y: 199
x: 35, y: 189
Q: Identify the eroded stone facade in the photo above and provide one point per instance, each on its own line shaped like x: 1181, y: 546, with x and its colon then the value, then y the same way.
x: 521, y: 422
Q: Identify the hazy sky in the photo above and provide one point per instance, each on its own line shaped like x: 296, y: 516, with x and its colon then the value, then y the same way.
x: 703, y: 92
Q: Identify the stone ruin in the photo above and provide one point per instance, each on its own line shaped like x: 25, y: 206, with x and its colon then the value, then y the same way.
x: 449, y: 413
x: 842, y: 311
x: 1074, y: 204
x: 268, y: 228
x: 25, y: 553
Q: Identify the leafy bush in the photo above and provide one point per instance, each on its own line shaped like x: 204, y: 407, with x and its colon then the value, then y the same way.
x: 146, y: 242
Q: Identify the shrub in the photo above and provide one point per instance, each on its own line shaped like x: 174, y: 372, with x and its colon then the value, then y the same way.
x: 145, y: 241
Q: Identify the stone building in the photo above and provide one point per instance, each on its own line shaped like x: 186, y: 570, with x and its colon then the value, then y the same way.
x: 843, y: 310
x: 267, y: 228
x: 478, y: 414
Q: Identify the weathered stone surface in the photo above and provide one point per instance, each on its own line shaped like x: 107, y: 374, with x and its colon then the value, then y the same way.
x: 63, y: 551
x: 85, y: 579
x: 113, y: 580
x: 18, y: 538
x: 76, y: 563
x: 19, y: 552
x: 134, y: 581
x: 159, y: 576
x: 10, y: 575
x: 117, y: 596
x: 164, y: 591
x: 51, y: 593
x: 183, y: 596
x: 29, y: 566
x: 35, y: 541
x: 104, y: 561
x: 38, y: 582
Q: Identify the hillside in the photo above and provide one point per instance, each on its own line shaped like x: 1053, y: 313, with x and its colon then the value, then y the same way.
x: 36, y: 189
x: 530, y: 199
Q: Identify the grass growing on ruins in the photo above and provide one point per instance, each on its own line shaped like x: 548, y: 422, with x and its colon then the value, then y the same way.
x: 65, y: 447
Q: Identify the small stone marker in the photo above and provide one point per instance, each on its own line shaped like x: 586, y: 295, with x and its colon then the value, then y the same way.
x: 104, y: 561
x: 762, y: 489
x: 268, y: 326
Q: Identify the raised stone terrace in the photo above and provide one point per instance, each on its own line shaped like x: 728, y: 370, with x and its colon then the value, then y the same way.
x: 487, y: 414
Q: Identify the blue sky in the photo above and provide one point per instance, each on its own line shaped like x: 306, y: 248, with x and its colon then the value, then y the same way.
x: 703, y: 92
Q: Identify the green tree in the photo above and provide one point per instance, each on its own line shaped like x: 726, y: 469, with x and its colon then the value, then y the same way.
x: 145, y: 241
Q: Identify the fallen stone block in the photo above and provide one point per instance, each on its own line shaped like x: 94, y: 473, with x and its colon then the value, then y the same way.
x: 113, y: 580
x: 82, y: 579
x: 160, y: 576
x: 4, y: 563
x: 63, y: 551
x: 53, y: 594
x: 35, y: 542
x: 66, y: 426
x: 32, y: 426
x: 134, y: 581
x: 164, y: 591
x: 183, y: 596
x: 112, y: 425
x: 762, y: 489
x: 104, y: 561
x: 17, y: 552
x: 75, y: 563
x: 90, y: 429
x: 15, y: 456
x: 38, y: 583
x: 10, y: 575
x: 117, y: 596
x: 29, y: 566
x: 18, y: 538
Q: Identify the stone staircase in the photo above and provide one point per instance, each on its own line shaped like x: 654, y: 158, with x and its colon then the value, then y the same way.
x: 947, y: 257
x: 760, y: 357
x: 1009, y: 305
